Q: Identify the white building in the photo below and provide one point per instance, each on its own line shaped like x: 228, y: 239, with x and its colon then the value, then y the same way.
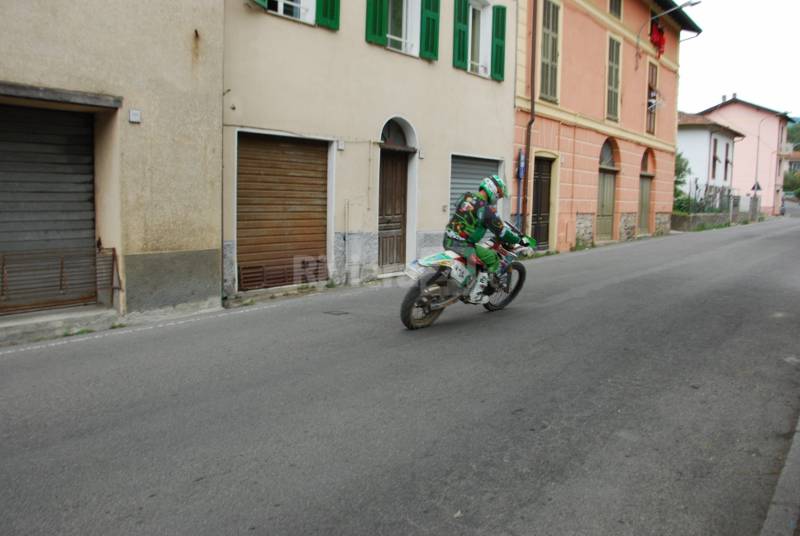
x: 709, y: 148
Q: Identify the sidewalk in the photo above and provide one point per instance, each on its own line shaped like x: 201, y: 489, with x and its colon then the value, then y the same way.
x: 784, y: 510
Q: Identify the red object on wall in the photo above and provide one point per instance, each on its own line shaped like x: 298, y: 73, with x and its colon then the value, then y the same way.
x: 658, y: 38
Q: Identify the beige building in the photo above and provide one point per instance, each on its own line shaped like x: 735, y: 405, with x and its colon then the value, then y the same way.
x: 162, y: 157
x: 350, y: 127
x: 110, y: 153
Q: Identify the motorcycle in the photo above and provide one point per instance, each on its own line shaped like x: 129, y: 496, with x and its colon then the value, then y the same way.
x: 443, y: 279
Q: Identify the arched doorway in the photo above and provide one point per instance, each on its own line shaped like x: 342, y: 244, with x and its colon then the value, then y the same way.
x: 393, y: 197
x: 646, y: 176
x: 606, y: 190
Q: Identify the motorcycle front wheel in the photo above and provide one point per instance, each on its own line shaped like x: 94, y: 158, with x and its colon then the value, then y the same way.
x: 511, y: 283
x: 415, y: 311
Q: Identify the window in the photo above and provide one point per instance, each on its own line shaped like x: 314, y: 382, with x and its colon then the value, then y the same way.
x: 714, y: 159
x: 475, y: 41
x: 652, y: 97
x: 727, y: 160
x: 549, y: 83
x: 614, y: 60
x: 615, y: 7
x: 320, y: 12
x: 398, y: 24
x: 479, y: 33
x: 408, y: 26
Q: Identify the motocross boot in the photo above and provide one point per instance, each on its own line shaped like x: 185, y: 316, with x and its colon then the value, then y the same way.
x: 476, y: 295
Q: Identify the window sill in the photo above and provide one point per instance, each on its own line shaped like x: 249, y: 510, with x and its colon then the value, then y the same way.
x: 550, y: 100
x: 402, y: 52
x: 478, y: 75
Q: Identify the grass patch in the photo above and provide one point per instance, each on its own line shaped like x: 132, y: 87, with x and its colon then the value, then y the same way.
x: 248, y: 302
x: 82, y: 331
x: 118, y: 325
x: 330, y: 284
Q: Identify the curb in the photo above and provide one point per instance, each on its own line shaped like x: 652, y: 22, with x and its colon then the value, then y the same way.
x: 784, y: 509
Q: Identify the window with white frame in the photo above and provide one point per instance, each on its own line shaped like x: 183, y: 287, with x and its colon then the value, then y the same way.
x: 304, y: 10
x: 403, y: 26
x: 480, y: 36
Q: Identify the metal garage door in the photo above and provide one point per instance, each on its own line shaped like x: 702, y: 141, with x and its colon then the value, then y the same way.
x: 47, y: 235
x: 282, y: 198
x: 466, y: 174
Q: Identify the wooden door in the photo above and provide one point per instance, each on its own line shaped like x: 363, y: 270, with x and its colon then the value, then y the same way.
x: 392, y: 211
x: 644, y: 205
x: 605, y: 206
x: 540, y: 215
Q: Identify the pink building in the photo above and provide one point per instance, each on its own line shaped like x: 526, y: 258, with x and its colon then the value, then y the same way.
x: 762, y: 156
x: 605, y: 84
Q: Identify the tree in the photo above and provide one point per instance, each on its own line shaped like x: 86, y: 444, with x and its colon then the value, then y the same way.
x: 794, y: 134
x: 682, y: 170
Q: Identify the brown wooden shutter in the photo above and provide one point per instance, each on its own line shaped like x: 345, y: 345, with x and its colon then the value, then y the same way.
x: 282, y: 199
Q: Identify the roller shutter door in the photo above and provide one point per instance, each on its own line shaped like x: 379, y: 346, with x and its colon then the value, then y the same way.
x: 47, y: 227
x: 466, y: 175
x: 282, y: 199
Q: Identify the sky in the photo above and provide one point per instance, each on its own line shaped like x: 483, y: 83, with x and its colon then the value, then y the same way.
x: 748, y: 47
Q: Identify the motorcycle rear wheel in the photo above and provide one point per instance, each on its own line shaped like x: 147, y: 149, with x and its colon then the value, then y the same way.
x: 413, y: 311
x: 502, y: 297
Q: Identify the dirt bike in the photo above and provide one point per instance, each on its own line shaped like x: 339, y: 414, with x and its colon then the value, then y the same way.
x: 443, y: 279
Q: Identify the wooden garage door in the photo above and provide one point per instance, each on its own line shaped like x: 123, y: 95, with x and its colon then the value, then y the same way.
x: 281, y: 205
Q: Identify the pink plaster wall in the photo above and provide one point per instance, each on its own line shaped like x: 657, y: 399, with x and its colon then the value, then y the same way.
x: 751, y: 122
x: 582, y: 83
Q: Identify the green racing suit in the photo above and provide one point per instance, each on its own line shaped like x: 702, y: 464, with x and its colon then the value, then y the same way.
x: 472, y: 218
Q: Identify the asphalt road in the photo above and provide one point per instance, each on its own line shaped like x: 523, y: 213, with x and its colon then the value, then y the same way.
x: 648, y: 388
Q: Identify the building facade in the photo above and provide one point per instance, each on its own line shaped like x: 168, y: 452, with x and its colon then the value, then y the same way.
x: 110, y: 145
x: 761, y: 155
x: 604, y: 86
x: 710, y: 149
x: 344, y: 151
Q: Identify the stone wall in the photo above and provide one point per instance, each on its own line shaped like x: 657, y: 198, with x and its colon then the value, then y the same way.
x: 692, y: 222
x: 663, y: 223
x: 627, y: 226
x: 584, y: 229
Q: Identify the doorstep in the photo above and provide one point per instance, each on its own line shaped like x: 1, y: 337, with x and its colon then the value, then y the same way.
x: 40, y: 325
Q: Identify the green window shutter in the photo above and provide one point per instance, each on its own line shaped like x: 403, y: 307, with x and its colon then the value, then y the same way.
x: 262, y: 3
x: 460, y: 33
x: 429, y: 30
x: 328, y: 14
x: 377, y: 21
x: 498, y: 42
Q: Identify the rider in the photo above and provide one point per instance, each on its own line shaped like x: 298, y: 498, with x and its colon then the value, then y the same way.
x: 474, y: 215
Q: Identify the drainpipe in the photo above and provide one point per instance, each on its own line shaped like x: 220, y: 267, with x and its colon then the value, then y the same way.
x: 529, y: 128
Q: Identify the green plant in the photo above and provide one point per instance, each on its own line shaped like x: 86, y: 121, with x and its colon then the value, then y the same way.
x: 118, y: 325
x: 330, y: 284
x: 81, y: 331
x: 248, y: 302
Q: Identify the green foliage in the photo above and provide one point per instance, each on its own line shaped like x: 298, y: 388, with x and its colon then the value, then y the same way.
x: 682, y: 171
x: 791, y: 181
x: 793, y: 132
x: 681, y: 204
